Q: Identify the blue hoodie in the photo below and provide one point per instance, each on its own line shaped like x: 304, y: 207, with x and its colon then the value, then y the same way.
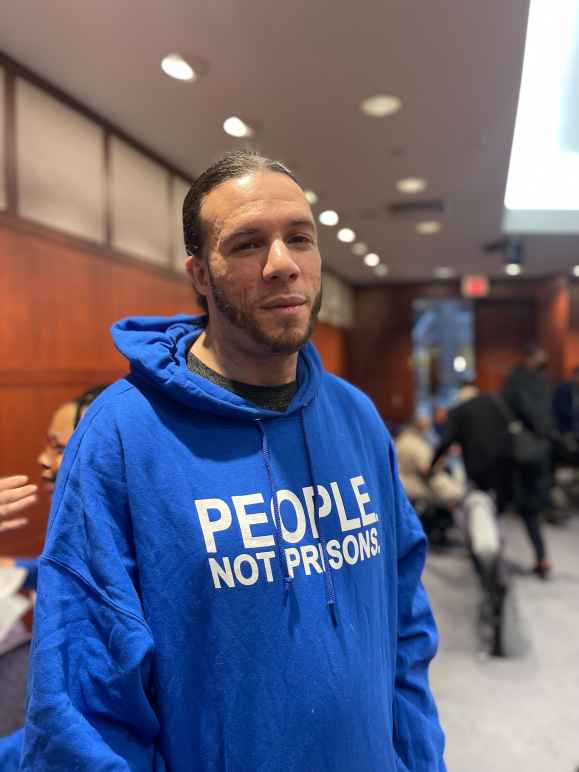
x: 200, y: 609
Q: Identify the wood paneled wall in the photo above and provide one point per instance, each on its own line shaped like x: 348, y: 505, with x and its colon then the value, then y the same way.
x: 380, y: 348
x: 58, y: 300
x: 572, y: 337
x: 553, y: 323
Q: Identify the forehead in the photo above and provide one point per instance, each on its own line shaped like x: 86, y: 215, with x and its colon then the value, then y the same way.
x: 62, y: 422
x: 262, y: 194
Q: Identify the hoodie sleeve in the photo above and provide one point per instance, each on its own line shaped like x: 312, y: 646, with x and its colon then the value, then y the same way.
x: 418, y: 736
x: 89, y: 691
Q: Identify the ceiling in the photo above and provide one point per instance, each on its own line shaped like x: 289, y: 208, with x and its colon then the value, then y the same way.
x: 300, y: 70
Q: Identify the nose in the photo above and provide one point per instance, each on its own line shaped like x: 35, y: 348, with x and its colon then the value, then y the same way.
x: 280, y: 263
x: 44, y: 459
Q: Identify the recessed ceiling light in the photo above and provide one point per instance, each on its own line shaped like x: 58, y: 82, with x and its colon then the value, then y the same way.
x: 411, y: 185
x: 575, y: 270
x: 311, y: 197
x: 381, y: 270
x: 346, y: 235
x: 371, y: 259
x: 428, y: 227
x: 176, y: 67
x: 443, y: 272
x: 329, y: 217
x: 235, y: 127
x: 359, y: 248
x: 512, y: 269
x: 381, y: 105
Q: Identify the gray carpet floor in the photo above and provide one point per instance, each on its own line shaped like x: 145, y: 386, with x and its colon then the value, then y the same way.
x: 518, y: 715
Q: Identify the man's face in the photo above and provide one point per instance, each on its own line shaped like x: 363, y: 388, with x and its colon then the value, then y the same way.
x: 539, y: 360
x: 423, y: 423
x: 261, y: 272
x: 59, y: 432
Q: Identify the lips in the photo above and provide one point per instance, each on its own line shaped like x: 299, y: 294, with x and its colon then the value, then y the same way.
x: 289, y: 301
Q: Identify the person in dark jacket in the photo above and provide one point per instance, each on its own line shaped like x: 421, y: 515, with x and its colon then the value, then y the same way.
x: 479, y: 426
x: 528, y: 395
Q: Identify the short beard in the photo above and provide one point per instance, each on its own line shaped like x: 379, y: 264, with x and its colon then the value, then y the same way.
x: 288, y: 342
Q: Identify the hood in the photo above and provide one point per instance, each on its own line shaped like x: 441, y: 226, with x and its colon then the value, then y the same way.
x: 156, y: 348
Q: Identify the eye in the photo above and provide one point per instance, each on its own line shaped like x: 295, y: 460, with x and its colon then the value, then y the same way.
x: 246, y: 246
x: 300, y: 238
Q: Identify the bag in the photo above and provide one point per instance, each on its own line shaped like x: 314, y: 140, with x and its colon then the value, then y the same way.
x: 526, y: 447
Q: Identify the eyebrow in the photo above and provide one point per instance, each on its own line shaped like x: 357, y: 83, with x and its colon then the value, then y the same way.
x: 298, y: 223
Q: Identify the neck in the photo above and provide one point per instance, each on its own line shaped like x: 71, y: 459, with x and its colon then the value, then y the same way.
x: 227, y: 358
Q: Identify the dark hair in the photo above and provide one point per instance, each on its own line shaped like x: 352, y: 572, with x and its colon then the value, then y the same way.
x: 85, y: 400
x: 236, y: 163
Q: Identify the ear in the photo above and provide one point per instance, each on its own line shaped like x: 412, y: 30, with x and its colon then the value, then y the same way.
x: 197, y: 270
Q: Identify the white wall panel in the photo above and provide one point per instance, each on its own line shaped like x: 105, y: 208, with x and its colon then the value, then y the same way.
x: 141, y: 219
x: 3, y: 191
x: 60, y: 164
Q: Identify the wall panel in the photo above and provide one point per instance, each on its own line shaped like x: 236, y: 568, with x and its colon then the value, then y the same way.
x: 502, y: 329
x: 141, y: 220
x: 3, y: 181
x: 572, y: 337
x: 60, y: 164
x: 331, y: 344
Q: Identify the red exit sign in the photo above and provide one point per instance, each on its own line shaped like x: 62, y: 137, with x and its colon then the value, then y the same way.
x: 475, y: 286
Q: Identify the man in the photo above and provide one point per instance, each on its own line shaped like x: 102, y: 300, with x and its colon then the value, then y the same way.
x: 528, y: 395
x: 15, y: 492
x: 479, y: 426
x: 528, y: 392
x: 231, y: 579
x: 16, y: 495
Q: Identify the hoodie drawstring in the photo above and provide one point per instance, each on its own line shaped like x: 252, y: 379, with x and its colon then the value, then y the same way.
x: 278, y: 536
x: 328, y: 577
x: 287, y: 578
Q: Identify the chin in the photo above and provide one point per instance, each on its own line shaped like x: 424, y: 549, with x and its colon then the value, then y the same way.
x: 289, y: 341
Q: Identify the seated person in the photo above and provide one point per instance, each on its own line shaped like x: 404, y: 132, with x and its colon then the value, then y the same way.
x: 415, y: 454
x: 15, y: 495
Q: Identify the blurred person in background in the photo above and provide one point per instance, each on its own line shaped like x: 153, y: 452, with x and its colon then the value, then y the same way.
x: 479, y: 427
x: 434, y: 496
x: 16, y: 495
x: 529, y: 397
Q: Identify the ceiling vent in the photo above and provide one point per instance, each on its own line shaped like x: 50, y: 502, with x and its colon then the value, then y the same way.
x: 426, y: 206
